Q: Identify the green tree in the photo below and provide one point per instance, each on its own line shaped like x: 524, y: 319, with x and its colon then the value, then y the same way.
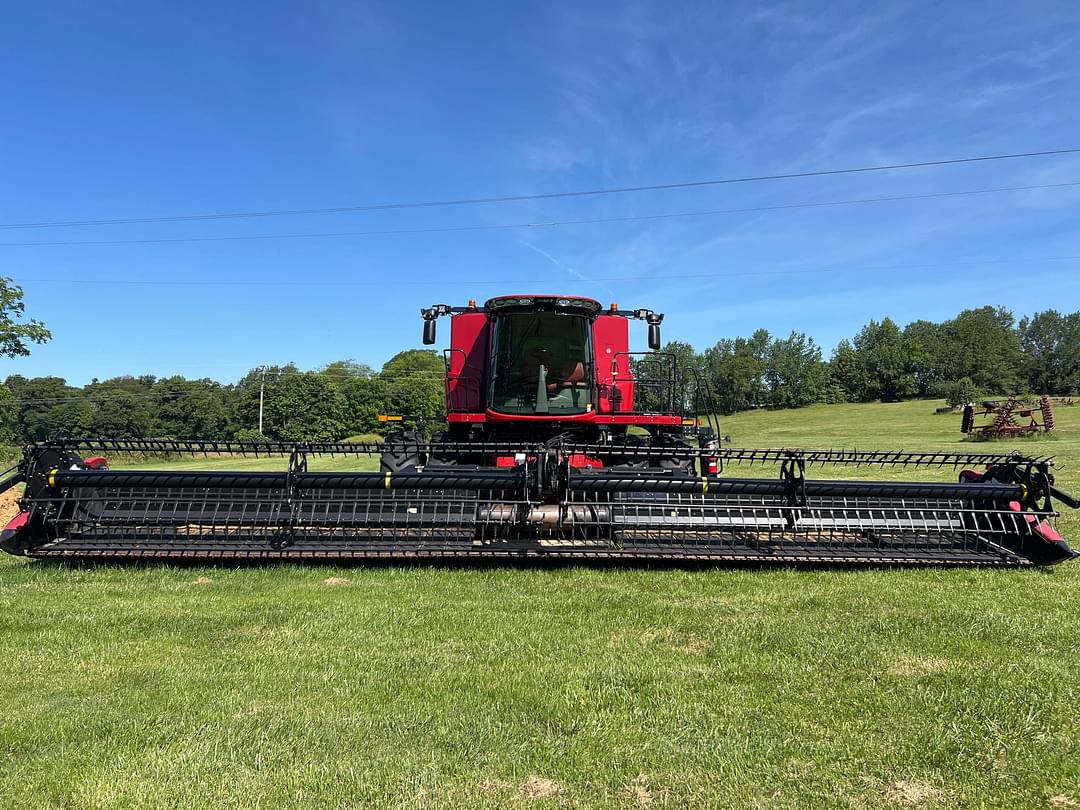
x: 364, y: 394
x: 928, y: 343
x: 191, y: 409
x: 983, y: 344
x: 297, y: 406
x: 887, y: 361
x: 794, y: 372
x: 304, y: 406
x: 960, y: 392
x: 736, y: 371
x: 846, y: 374
x: 46, y: 407
x: 123, y: 407
x: 412, y: 382
x: 1050, y: 342
x: 9, y: 432
x: 14, y: 335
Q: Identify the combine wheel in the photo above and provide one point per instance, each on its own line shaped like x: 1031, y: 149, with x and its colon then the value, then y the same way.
x: 685, y: 465
x: 401, y: 452
x: 440, y: 457
x: 630, y: 461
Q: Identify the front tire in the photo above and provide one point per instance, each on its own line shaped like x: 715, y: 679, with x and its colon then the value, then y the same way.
x: 402, y: 452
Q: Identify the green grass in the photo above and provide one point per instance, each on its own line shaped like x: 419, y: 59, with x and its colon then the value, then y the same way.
x: 442, y: 687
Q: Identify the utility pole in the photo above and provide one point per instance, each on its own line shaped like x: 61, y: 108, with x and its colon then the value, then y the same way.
x: 262, y: 393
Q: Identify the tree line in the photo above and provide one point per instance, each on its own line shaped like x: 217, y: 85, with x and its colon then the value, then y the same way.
x: 341, y: 400
x: 980, y: 351
x: 983, y: 351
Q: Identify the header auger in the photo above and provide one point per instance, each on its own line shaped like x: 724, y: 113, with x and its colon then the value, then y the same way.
x: 560, y: 444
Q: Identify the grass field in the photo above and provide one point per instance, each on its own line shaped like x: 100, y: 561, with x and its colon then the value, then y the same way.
x: 443, y: 687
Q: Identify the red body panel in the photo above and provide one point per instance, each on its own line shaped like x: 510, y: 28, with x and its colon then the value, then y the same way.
x: 467, y: 359
x: 592, y: 418
x: 615, y: 385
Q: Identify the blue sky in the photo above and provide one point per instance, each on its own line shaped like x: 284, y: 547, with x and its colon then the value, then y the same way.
x: 158, y: 109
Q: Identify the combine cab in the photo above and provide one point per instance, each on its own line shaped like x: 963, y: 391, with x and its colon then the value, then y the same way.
x: 560, y: 444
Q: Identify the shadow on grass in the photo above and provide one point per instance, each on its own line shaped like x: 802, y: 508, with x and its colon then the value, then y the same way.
x: 511, y: 564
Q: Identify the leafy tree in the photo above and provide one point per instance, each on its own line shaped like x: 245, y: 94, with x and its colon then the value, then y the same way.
x: 46, y: 407
x: 298, y: 405
x: 15, y: 335
x: 928, y: 342
x: 305, y: 406
x: 1050, y: 342
x: 191, y: 409
x: 243, y: 399
x: 123, y: 407
x: 686, y: 365
x: 249, y: 435
x: 413, y: 384
x: 961, y: 392
x: 794, y: 372
x: 9, y: 429
x: 364, y: 394
x: 846, y: 378
x: 736, y: 371
x: 887, y: 361
x: 983, y: 344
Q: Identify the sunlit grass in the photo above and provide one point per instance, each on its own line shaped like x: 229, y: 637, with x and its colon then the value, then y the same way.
x: 445, y: 687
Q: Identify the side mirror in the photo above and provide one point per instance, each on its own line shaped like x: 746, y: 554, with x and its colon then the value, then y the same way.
x: 429, y: 331
x: 654, y: 336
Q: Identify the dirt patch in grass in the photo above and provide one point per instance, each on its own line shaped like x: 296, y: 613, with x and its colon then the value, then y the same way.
x: 686, y: 643
x: 912, y: 793
x: 1062, y: 802
x: 639, y: 791
x: 8, y: 506
x: 798, y: 768
x: 910, y: 667
x: 202, y: 581
x: 538, y: 787
x: 337, y: 581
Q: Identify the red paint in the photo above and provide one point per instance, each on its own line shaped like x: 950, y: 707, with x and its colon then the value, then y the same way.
x: 659, y: 420
x: 1039, y: 528
x: 468, y: 418
x: 580, y: 460
x: 1047, y: 532
x: 467, y: 359
x: 17, y: 522
x: 611, y: 341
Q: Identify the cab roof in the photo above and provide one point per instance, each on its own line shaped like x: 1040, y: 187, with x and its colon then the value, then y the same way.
x: 573, y: 303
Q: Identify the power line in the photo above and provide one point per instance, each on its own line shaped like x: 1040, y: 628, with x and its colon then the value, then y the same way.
x: 503, y: 282
x: 537, y: 196
x: 547, y: 224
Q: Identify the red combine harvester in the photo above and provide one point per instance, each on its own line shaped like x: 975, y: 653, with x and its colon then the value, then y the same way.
x: 560, y: 443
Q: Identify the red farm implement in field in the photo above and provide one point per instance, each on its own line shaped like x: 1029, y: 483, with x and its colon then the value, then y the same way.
x: 560, y: 443
x: 1009, y: 417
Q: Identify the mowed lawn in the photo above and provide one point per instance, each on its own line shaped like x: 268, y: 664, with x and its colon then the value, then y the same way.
x: 446, y: 687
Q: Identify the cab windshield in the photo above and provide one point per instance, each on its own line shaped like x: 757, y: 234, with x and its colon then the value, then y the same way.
x: 540, y: 364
